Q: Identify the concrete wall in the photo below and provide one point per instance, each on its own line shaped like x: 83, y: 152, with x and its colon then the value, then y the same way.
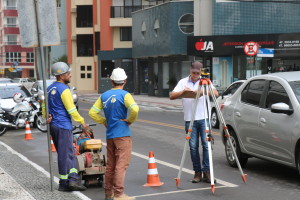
x: 168, y: 40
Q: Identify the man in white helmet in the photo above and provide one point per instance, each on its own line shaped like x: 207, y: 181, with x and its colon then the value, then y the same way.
x: 61, y: 109
x: 115, y: 104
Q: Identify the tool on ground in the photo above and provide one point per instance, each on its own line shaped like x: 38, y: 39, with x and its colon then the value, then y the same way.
x: 152, y: 177
x: 28, y: 135
x: 205, y: 86
x: 91, y: 162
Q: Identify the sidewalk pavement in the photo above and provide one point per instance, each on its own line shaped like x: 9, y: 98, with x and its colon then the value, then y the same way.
x: 145, y: 102
x: 21, y: 179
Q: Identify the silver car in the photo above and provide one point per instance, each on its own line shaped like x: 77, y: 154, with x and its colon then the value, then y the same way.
x: 263, y: 119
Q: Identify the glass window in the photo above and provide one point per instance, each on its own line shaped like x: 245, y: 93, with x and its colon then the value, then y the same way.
x: 12, y: 39
x: 30, y: 57
x: 82, y: 68
x: 58, y: 3
x: 252, y: 93
x: 107, y: 66
x: 186, y: 23
x: 89, y: 68
x: 125, y: 34
x: 231, y: 90
x: 276, y: 94
x: 11, y: 22
x: 296, y: 88
x: 13, y: 57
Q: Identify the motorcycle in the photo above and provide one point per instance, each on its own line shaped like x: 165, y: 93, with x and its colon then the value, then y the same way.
x: 16, y: 117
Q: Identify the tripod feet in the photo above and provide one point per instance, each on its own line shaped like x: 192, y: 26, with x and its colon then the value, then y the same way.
x: 244, y: 177
x: 177, y: 181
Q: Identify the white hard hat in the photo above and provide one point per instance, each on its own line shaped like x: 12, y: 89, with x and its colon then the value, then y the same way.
x: 118, y: 75
x: 59, y: 68
x: 18, y: 97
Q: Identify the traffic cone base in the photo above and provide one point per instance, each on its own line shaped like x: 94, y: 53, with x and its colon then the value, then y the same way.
x: 28, y: 135
x: 152, y: 177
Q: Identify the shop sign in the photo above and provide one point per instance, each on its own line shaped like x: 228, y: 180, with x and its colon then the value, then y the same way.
x: 284, y: 45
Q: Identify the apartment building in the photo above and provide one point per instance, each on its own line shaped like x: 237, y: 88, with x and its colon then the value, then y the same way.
x: 99, y: 38
x: 15, y: 61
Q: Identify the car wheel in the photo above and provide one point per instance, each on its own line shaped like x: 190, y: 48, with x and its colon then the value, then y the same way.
x: 40, y: 123
x: 243, y: 158
x: 214, y: 120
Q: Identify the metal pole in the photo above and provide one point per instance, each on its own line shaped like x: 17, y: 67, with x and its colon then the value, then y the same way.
x: 45, y: 89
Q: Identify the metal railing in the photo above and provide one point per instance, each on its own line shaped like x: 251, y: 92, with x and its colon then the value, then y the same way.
x: 125, y: 11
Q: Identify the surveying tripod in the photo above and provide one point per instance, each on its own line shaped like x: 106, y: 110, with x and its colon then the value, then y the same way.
x: 205, y: 87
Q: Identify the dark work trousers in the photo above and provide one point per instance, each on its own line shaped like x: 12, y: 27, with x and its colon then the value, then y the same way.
x: 67, y: 163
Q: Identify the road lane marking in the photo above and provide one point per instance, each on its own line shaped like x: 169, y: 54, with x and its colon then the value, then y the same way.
x: 225, y: 183
x: 177, y: 191
x: 41, y: 169
x: 162, y: 124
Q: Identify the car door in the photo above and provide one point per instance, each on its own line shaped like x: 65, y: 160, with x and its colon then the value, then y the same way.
x: 246, y: 115
x: 276, y: 128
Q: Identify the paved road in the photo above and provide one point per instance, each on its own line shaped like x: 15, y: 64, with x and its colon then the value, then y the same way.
x: 162, y: 133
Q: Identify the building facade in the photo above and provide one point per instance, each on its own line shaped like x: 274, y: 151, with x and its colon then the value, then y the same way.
x: 15, y: 61
x: 220, y: 45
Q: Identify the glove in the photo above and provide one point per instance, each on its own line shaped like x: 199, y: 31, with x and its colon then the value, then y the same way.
x: 87, y: 130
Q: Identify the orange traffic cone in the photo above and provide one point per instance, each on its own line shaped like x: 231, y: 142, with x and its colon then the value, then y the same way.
x: 52, y: 145
x: 152, y: 177
x: 28, y: 135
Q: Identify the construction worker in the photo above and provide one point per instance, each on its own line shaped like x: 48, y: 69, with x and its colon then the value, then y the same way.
x: 61, y: 109
x: 190, y: 85
x: 115, y: 104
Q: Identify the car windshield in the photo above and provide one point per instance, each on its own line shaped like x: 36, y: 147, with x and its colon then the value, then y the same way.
x: 6, y: 81
x: 296, y: 88
x: 48, y: 82
x: 7, y: 92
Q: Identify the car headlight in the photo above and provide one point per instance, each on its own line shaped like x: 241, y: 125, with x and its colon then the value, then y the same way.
x: 75, y: 97
x: 41, y: 97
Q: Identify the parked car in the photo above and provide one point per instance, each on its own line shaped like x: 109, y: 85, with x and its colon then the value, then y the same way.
x: 38, y: 88
x: 24, y: 81
x: 263, y: 120
x: 7, y: 91
x: 6, y: 80
x: 228, y: 92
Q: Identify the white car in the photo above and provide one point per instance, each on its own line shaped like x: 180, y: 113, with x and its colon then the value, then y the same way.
x: 221, y: 99
x: 24, y: 81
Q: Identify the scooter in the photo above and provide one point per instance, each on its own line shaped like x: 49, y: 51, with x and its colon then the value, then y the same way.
x: 91, y: 162
x: 16, y: 117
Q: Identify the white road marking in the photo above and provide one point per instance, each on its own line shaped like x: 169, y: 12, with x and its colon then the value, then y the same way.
x: 39, y: 168
x: 225, y: 183
x: 178, y: 191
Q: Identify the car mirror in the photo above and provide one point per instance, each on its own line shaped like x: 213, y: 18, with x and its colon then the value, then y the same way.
x: 281, y: 108
x: 34, y: 91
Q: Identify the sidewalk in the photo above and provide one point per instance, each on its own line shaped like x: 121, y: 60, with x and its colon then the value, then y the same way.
x: 20, y: 179
x: 145, y: 102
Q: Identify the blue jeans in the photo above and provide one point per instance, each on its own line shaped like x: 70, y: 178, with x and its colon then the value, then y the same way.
x: 198, y: 130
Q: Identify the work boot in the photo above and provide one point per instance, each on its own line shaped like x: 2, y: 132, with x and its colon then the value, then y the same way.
x: 197, y: 177
x: 74, y: 186
x: 124, y: 197
x: 64, y: 188
x: 206, y: 177
x: 109, y: 196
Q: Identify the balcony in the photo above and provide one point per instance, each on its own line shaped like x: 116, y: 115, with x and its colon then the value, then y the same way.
x: 125, y: 11
x: 10, y: 8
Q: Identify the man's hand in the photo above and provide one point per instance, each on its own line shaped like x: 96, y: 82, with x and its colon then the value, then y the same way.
x: 126, y: 120
x: 49, y: 120
x: 87, y: 130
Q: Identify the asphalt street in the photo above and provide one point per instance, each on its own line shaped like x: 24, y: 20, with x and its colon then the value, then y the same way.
x: 158, y: 131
